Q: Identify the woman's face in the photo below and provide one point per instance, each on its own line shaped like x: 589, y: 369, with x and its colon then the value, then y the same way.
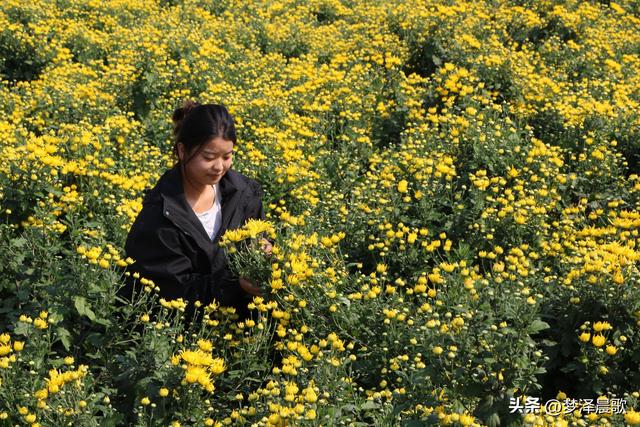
x: 210, y: 163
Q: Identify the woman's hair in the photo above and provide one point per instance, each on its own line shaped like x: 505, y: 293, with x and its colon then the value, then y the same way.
x: 195, y: 124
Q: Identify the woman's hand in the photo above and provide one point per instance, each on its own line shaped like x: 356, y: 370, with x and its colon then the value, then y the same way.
x: 266, y: 246
x: 248, y: 287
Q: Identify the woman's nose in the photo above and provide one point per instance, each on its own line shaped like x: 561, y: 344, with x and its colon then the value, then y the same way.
x: 217, y: 165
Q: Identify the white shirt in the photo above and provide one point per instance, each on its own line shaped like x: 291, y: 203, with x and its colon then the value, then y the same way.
x: 212, y: 217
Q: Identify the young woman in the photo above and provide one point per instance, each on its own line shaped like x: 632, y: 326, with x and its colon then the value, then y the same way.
x: 174, y: 239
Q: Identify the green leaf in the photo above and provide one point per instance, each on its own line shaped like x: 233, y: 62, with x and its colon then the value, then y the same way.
x: 369, y: 405
x: 22, y: 328
x: 234, y: 374
x: 493, y: 420
x: 474, y: 390
x: 111, y: 420
x: 55, y: 317
x: 103, y: 322
x: 537, y: 326
x: 84, y: 307
x: 9, y: 304
x: 19, y: 242
x: 64, y: 336
x: 54, y: 191
x: 348, y: 407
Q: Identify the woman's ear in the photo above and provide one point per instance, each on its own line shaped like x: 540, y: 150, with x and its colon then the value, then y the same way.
x: 180, y: 147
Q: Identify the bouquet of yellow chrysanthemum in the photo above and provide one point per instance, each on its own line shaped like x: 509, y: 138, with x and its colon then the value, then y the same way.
x: 248, y: 249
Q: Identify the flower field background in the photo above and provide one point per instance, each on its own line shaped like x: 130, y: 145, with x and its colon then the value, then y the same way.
x: 453, y: 186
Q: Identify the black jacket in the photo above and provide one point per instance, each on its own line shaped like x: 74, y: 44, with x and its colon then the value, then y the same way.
x: 170, y: 246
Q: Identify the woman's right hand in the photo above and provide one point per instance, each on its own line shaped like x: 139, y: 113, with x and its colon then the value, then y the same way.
x: 266, y: 246
x: 249, y: 288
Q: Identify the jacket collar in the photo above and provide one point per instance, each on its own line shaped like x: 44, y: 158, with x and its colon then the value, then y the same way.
x: 177, y: 210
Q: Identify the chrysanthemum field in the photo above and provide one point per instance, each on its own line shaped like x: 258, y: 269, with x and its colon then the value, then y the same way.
x: 452, y: 188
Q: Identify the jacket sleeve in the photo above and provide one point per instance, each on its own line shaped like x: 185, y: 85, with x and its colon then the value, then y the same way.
x: 158, y: 253
x: 254, y: 207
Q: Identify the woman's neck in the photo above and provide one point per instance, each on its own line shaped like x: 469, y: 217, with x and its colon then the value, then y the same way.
x: 199, y: 197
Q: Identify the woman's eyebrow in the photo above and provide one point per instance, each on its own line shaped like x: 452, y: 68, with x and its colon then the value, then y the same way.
x: 215, y: 152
